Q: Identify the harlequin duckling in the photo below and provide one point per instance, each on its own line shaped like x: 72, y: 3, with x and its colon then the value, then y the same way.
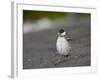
x: 62, y: 44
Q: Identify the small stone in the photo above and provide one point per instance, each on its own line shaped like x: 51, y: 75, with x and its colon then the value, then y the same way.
x: 29, y: 59
x: 76, y: 56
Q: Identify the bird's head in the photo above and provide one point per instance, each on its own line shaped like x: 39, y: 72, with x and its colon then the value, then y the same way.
x: 61, y: 33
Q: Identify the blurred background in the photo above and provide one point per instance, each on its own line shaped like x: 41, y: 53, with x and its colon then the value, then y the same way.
x: 42, y: 20
x: 40, y: 30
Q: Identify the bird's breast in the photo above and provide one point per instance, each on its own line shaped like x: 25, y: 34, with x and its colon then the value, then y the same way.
x: 62, y: 46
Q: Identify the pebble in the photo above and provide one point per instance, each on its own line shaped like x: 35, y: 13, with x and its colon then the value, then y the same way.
x: 29, y: 59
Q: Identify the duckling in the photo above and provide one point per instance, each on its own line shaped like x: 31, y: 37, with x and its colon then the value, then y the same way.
x: 62, y: 44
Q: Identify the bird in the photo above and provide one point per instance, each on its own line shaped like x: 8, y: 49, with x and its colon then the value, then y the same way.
x: 62, y: 44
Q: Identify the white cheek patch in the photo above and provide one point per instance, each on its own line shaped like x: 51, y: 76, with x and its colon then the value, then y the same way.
x: 63, y: 34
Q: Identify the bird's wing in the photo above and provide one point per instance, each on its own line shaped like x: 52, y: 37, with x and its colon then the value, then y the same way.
x: 69, y: 39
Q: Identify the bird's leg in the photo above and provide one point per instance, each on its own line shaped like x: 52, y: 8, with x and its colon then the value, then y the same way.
x: 66, y: 56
